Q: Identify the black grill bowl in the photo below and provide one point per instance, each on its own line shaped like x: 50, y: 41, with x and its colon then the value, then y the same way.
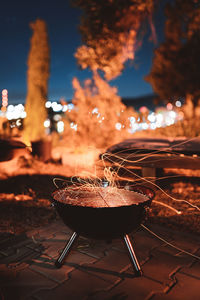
x: 104, y: 222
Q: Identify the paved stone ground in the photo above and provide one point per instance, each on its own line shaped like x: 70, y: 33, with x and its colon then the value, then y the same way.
x: 96, y: 270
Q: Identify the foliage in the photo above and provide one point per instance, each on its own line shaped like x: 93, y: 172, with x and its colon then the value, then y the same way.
x: 176, y: 63
x: 189, y: 127
x: 109, y: 30
x: 37, y: 80
x: 97, y: 110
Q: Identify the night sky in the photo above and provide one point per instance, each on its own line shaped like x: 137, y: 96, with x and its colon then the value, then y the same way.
x: 62, y: 22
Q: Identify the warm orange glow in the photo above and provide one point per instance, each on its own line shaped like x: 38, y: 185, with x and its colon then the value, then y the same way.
x: 4, y: 92
x: 4, y: 99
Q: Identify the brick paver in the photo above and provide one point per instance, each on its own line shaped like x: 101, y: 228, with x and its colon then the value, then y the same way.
x: 96, y: 270
x: 24, y: 284
x: 110, y: 266
x: 193, y: 270
x: 78, y: 287
x: 129, y: 289
x: 187, y: 287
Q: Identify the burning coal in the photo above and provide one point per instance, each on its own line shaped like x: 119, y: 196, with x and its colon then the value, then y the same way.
x: 95, y: 196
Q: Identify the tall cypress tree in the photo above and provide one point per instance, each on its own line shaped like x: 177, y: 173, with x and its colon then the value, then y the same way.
x: 37, y: 82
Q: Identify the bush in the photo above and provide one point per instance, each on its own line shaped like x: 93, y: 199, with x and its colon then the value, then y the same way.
x: 189, y: 127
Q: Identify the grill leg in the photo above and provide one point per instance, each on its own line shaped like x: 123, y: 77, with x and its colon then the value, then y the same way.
x: 66, y: 250
x: 133, y: 258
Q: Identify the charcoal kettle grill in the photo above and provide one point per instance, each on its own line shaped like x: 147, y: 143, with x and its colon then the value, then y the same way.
x: 104, y: 223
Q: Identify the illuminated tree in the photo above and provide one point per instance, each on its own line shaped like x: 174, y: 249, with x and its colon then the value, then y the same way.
x: 176, y: 63
x: 110, y: 30
x: 99, y: 118
x: 37, y: 82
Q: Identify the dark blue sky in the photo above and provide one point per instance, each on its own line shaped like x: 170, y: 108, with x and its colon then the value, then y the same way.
x: 62, y: 22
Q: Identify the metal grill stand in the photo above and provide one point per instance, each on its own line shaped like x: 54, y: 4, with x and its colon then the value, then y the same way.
x: 127, y: 242
x: 66, y: 250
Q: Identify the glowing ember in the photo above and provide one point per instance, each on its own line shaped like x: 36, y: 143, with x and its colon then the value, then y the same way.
x: 99, y: 196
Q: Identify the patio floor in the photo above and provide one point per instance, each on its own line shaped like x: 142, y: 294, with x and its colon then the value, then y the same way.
x: 97, y: 270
